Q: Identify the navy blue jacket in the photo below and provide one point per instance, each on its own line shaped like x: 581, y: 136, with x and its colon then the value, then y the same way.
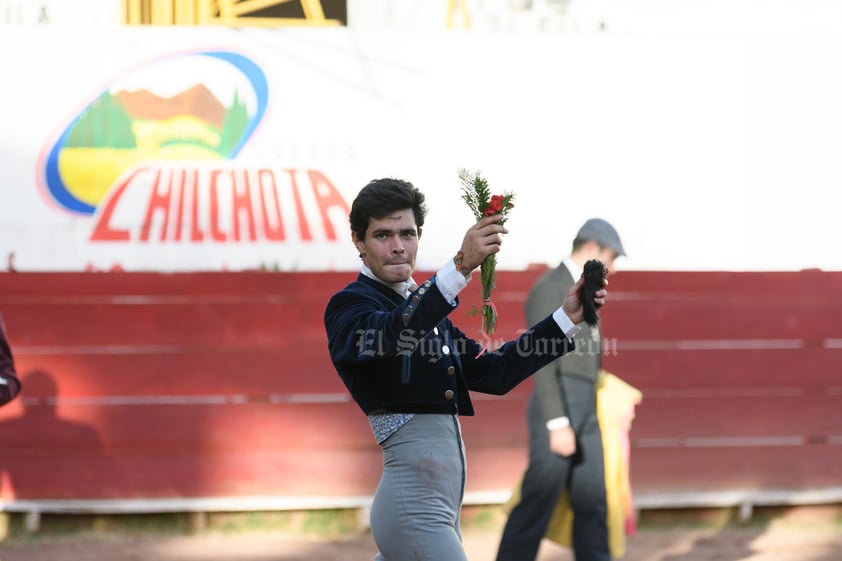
x: 9, y: 383
x: 403, y: 355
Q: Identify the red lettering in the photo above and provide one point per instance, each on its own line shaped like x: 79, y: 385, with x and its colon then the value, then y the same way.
x: 179, y: 217
x: 242, y: 202
x: 103, y: 231
x: 160, y: 202
x: 303, y: 228
x: 266, y: 181
x: 258, y: 214
x: 216, y: 233
x: 327, y: 198
x: 196, y: 234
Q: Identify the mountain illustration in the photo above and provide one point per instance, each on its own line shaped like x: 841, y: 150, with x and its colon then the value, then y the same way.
x: 198, y: 100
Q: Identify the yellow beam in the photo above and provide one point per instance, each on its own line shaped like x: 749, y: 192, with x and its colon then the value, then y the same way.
x: 185, y: 12
x: 162, y: 12
x: 133, y: 12
x: 226, y: 10
x: 277, y: 22
x: 313, y: 10
x: 247, y: 6
x: 460, y: 6
x: 206, y: 10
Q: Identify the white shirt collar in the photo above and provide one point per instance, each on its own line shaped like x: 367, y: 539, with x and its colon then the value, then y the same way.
x: 574, y: 269
x: 402, y: 288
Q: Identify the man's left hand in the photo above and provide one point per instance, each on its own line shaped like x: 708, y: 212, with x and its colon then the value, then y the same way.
x: 572, y: 306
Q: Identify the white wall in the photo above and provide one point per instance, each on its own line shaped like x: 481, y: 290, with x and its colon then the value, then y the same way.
x: 616, y: 16
x: 708, y: 150
x: 27, y: 13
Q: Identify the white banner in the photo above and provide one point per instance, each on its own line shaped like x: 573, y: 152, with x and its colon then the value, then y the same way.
x: 220, y: 149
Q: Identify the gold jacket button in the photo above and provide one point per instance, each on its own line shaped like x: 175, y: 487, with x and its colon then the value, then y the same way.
x: 406, y: 317
x: 451, y: 370
x: 448, y: 394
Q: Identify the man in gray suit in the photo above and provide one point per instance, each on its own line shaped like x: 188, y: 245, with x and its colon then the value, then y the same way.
x: 565, y: 444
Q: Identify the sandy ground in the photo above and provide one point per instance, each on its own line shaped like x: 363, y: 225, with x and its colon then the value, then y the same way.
x: 773, y: 541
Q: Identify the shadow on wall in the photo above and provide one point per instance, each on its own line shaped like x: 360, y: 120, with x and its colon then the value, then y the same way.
x: 39, y: 450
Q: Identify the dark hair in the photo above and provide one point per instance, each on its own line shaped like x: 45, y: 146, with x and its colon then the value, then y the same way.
x: 382, y: 197
x: 578, y: 243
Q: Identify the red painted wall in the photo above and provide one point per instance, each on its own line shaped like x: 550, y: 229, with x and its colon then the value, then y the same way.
x: 219, y: 384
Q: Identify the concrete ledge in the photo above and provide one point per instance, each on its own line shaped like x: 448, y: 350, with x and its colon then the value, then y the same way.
x: 745, y: 500
x: 183, y: 504
x: 756, y: 497
x: 643, y: 500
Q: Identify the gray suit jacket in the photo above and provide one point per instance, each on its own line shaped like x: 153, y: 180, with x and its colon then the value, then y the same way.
x: 584, y: 362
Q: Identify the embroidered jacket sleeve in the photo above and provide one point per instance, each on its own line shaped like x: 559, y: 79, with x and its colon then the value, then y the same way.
x: 499, y: 371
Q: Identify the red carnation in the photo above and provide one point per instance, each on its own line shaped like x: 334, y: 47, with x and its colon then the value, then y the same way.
x: 495, y: 206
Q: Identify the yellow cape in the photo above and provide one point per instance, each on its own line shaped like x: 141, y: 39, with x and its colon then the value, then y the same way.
x: 615, y: 403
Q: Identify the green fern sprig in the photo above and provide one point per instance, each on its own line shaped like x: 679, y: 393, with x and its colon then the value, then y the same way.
x: 477, y: 195
x: 475, y: 192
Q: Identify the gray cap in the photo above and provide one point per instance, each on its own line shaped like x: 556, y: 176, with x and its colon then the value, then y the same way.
x: 603, y: 233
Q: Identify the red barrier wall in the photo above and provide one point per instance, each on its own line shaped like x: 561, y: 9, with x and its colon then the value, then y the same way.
x: 219, y: 384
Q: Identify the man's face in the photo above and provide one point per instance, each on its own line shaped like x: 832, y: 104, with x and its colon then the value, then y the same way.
x: 390, y: 246
x: 607, y: 256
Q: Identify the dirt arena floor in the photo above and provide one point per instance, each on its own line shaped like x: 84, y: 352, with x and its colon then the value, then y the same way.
x: 799, y: 535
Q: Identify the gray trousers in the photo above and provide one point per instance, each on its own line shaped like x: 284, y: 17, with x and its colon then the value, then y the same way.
x: 415, y: 514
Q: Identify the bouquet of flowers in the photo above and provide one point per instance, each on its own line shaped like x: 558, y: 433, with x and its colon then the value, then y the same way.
x: 477, y: 195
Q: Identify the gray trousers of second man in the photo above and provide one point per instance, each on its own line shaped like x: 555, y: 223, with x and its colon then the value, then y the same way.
x: 416, y: 511
x: 548, y: 475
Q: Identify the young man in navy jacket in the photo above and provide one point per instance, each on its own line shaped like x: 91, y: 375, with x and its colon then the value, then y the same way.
x: 410, y: 369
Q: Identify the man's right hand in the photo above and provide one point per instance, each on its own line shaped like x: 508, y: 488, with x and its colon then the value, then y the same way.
x: 481, y: 240
x: 563, y: 441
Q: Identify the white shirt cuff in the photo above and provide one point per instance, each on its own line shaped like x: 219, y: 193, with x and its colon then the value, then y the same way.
x: 558, y: 423
x: 567, y: 326
x: 451, y: 282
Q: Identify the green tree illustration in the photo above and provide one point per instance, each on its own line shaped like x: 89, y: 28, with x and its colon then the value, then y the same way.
x: 233, y: 126
x: 105, y: 124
